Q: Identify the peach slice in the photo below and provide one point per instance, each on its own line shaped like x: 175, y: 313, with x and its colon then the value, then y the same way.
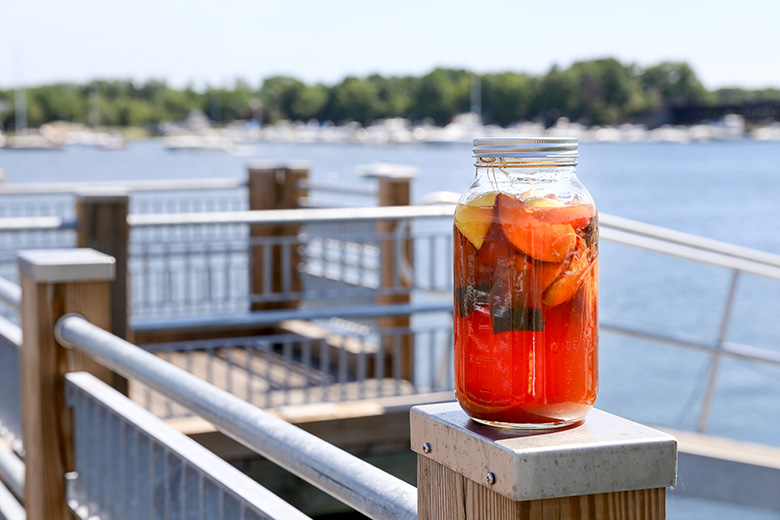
x: 523, y: 225
x: 543, y: 202
x: 475, y: 216
x: 578, y: 215
x: 569, y: 281
x: 546, y: 273
x: 531, y: 279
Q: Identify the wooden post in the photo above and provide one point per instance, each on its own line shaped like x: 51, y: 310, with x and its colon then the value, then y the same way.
x: 271, y: 187
x: 395, y: 190
x: 55, y: 282
x: 102, y: 217
x: 607, y: 468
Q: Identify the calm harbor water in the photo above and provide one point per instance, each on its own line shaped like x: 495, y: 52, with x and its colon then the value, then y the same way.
x: 726, y: 191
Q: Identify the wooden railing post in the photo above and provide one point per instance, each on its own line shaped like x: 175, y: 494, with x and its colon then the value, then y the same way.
x: 102, y: 217
x: 273, y: 186
x: 608, y: 468
x: 55, y: 282
x: 395, y: 277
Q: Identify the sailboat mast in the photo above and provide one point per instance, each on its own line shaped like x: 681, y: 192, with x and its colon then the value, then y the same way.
x: 20, y: 97
x: 476, y: 95
x: 20, y: 103
x: 94, y: 107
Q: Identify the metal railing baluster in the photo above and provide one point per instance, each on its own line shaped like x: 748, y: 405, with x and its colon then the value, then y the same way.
x: 342, y: 367
x: 397, y: 358
x: 269, y: 355
x: 324, y: 367
x: 725, y: 320
x: 287, y: 360
x: 306, y: 360
x: 249, y: 351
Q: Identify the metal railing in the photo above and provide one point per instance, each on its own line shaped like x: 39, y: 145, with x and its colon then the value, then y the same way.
x: 324, y: 356
x: 149, y: 196
x: 189, y: 270
x: 338, y: 189
x: 205, y: 263
x: 10, y: 368
x: 344, y: 263
x: 11, y: 448
x: 70, y: 188
x: 161, y: 196
x: 351, y: 480
x: 739, y: 261
x: 12, y: 472
x: 332, y: 195
x: 10, y: 294
x: 10, y: 508
x: 132, y: 466
x: 10, y: 390
x: 11, y: 485
x: 199, y: 263
x: 37, y: 205
x: 17, y: 233
x: 43, y: 215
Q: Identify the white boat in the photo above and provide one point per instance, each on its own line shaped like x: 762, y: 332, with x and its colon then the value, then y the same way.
x: 195, y: 142
x: 195, y: 134
x: 32, y: 141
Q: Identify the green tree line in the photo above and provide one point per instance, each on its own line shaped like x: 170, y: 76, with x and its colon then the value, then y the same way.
x: 602, y: 91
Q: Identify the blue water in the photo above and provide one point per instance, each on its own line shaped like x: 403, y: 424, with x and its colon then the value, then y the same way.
x: 726, y: 191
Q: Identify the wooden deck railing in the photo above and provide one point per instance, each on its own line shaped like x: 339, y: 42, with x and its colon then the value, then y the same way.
x: 608, y: 469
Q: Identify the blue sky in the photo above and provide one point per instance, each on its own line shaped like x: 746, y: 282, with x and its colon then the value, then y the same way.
x: 214, y: 42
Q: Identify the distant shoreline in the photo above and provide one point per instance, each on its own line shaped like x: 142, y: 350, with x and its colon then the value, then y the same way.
x: 197, y: 133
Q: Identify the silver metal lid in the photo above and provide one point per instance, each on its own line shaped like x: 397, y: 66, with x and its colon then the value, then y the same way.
x: 530, y: 147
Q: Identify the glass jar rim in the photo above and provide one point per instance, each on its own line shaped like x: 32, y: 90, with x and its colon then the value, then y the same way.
x: 527, y: 147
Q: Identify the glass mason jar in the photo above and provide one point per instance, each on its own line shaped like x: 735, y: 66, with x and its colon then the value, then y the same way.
x: 526, y: 286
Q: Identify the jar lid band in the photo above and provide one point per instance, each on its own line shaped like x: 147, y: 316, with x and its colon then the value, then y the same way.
x: 552, y: 147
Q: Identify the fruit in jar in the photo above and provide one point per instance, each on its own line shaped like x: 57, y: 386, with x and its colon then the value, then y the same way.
x: 525, y: 322
x: 569, y: 280
x: 542, y: 202
x: 475, y: 216
x: 531, y: 230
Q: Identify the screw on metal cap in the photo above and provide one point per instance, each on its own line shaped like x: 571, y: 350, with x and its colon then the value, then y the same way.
x: 531, y: 147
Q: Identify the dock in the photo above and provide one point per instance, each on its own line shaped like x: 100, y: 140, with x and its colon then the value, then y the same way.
x: 247, y: 322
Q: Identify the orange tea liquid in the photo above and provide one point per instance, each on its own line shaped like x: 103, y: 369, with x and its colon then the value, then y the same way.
x: 526, y: 278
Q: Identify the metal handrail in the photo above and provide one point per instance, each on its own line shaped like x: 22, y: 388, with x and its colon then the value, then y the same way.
x: 616, y: 229
x: 11, y: 332
x: 10, y: 508
x: 353, y: 481
x: 67, y: 188
x: 612, y: 228
x: 12, y: 471
x: 364, y: 191
x: 679, y: 237
x: 36, y: 223
x: 687, y: 252
x: 292, y: 216
x: 10, y: 294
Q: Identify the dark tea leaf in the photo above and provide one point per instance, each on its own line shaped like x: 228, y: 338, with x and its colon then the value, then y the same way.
x: 590, y: 233
x: 467, y: 298
x: 507, y: 319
